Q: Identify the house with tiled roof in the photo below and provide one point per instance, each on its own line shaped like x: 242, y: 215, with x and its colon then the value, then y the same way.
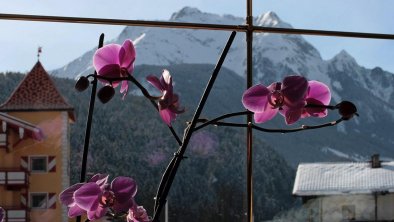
x: 352, y: 191
x: 34, y: 149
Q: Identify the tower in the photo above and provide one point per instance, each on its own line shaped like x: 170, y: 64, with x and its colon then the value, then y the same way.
x: 34, y: 149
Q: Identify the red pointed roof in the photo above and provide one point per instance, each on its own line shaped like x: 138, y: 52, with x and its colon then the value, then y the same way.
x: 36, y: 92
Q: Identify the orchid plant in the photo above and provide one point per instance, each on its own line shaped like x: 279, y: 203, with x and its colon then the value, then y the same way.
x: 294, y: 98
x: 97, y: 198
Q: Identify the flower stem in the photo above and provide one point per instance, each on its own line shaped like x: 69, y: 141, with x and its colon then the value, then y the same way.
x: 267, y: 130
x: 208, y: 122
x: 144, y: 92
x: 162, y: 199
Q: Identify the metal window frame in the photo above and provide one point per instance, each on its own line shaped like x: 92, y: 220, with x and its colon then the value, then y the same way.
x: 248, y: 29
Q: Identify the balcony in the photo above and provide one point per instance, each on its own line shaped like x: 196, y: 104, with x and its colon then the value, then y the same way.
x: 16, y: 214
x: 14, y: 179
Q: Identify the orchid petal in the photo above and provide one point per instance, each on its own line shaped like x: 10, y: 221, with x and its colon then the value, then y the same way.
x: 124, y: 206
x: 175, y: 109
x: 124, y: 87
x: 166, y: 100
x: 266, y: 115
x: 154, y: 81
x: 167, y: 116
x: 294, y: 89
x: 100, y: 179
x: 75, y: 211
x: 98, y: 213
x: 127, y: 55
x: 87, y: 196
x: 319, y: 91
x: 292, y: 115
x: 67, y: 195
x: 315, y: 111
x: 167, y: 79
x: 106, y: 55
x: 255, y: 98
x: 124, y: 188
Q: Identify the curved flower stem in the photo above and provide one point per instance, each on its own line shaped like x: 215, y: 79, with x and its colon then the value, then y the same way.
x: 254, y: 126
x: 303, y: 127
x: 208, y: 122
x: 144, y: 92
x: 321, y: 106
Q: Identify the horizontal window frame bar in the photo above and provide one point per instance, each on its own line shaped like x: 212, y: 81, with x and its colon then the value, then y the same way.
x: 186, y: 25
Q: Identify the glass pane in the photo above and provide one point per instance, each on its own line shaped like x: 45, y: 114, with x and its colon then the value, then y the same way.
x: 38, y: 164
x: 38, y: 200
x: 138, y: 10
x: 3, y: 139
x: 354, y: 15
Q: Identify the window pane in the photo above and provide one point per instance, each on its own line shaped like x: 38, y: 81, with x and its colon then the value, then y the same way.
x: 3, y: 139
x: 38, y: 164
x: 38, y: 200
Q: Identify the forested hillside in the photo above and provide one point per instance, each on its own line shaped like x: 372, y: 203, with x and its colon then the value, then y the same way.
x: 128, y: 138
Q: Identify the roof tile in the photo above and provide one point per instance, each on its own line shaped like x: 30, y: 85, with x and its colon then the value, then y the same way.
x: 36, y: 92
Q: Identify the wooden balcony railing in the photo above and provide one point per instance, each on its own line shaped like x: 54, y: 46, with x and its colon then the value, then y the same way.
x: 14, y: 178
x: 16, y: 214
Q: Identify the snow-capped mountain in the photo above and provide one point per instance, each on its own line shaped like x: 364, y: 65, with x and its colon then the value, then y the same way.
x: 274, y: 56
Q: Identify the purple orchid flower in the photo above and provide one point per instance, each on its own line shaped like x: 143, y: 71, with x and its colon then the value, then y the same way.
x: 318, y: 94
x: 67, y: 196
x: 289, y: 96
x: 114, y: 61
x: 169, y: 102
x: 138, y: 214
x: 97, y: 196
x: 2, y: 214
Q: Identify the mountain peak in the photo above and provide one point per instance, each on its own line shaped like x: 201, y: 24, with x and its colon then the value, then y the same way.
x: 185, y: 12
x: 343, y: 60
x: 271, y: 19
x: 343, y: 55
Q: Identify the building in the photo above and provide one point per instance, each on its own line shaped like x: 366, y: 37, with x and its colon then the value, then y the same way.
x: 333, y: 192
x: 34, y: 150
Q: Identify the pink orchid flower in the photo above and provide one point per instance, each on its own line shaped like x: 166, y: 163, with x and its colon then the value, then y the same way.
x: 138, y: 214
x: 114, y: 61
x: 97, y: 196
x: 318, y: 94
x: 169, y: 102
x: 287, y: 96
x: 67, y: 196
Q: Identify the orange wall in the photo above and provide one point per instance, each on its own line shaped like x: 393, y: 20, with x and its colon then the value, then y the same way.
x: 52, y: 125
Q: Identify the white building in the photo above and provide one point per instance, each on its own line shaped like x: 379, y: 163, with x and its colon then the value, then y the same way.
x: 338, y: 192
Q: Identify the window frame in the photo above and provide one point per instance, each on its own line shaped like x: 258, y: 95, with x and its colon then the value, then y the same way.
x: 31, y: 194
x: 32, y: 158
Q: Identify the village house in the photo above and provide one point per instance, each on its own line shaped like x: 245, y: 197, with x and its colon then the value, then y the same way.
x: 339, y: 192
x: 34, y: 150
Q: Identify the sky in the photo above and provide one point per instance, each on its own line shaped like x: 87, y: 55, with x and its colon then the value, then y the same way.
x: 63, y: 42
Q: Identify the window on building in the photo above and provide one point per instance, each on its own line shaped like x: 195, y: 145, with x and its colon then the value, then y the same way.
x: 38, y: 200
x: 3, y: 139
x: 38, y: 164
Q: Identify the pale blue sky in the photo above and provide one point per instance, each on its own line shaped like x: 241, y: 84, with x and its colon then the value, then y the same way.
x: 64, y: 42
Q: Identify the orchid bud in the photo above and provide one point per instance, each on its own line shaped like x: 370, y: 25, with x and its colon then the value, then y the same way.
x: 106, y: 93
x: 82, y: 84
x: 347, y: 110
